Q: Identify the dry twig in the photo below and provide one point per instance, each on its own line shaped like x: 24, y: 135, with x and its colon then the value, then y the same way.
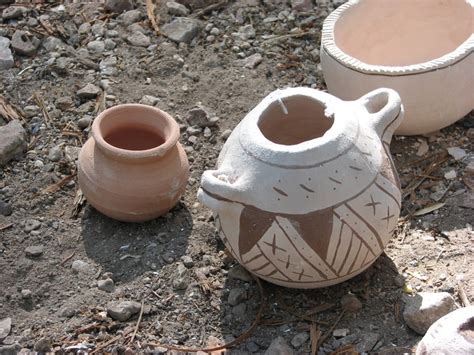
x: 329, y: 332
x: 150, y: 11
x: 315, y: 333
x: 210, y: 8
x: 462, y: 295
x: 5, y: 226
x: 8, y: 111
x: 67, y: 258
x: 40, y: 103
x: 58, y: 185
x: 138, y: 324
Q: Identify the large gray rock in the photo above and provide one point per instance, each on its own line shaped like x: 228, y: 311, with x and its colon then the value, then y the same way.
x: 89, y: 91
x: 181, y: 29
x: 25, y: 43
x: 6, y: 57
x: 452, y: 334
x: 130, y: 17
x: 118, y: 6
x: 12, y: 141
x: 279, y: 346
x: 5, y: 327
x: 138, y: 39
x: 13, y: 12
x: 123, y: 310
x: 177, y: 9
x: 425, y: 308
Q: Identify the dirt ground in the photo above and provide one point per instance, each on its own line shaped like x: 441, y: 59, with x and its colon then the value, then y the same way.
x: 53, y: 305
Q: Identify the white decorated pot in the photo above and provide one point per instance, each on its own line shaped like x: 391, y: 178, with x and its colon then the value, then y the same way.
x: 422, y: 49
x: 305, y: 193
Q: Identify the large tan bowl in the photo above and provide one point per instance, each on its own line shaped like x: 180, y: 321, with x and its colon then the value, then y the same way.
x: 424, y: 49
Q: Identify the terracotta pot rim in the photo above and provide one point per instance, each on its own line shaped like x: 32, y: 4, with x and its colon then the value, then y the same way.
x: 328, y: 44
x: 170, y: 139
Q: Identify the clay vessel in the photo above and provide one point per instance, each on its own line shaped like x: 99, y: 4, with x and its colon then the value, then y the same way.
x: 452, y: 334
x: 305, y: 194
x: 422, y: 49
x: 133, y: 168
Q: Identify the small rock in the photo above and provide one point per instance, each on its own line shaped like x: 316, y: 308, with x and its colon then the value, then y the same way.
x: 239, y: 273
x: 350, y: 303
x: 226, y: 134
x: 89, y: 91
x: 43, y: 345
x: 13, y: 12
x: 177, y: 9
x: 26, y: 294
x: 96, y: 46
x: 246, y: 32
x: 340, y: 333
x: 109, y: 44
x: 84, y: 122
x: 423, y: 148
x: 79, y: 266
x: 24, y: 43
x: 64, y: 103
x: 5, y: 327
x: 457, y: 153
x: 279, y: 346
x: 6, y: 57
x: 251, y: 61
x: 106, y: 285
x: 301, y: 5
x: 187, y: 261
x: 180, y: 279
x: 425, y: 308
x: 12, y: 141
x: 72, y: 153
x: 67, y: 312
x: 299, y: 339
x: 118, y: 6
x: 200, y: 116
x: 181, y: 29
x: 123, y: 310
x: 31, y: 225
x: 367, y: 342
x: 5, y: 208
x: 52, y: 43
x: 84, y: 28
x: 130, y: 17
x: 55, y: 154
x: 34, y: 251
x: 138, y: 39
x: 237, y: 295
x: 98, y: 29
x: 399, y: 280
x: 450, y: 174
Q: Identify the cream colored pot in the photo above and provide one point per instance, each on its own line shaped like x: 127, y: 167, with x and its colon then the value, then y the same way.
x: 422, y: 49
x: 305, y: 193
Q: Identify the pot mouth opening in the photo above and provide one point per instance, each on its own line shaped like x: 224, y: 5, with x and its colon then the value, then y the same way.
x: 135, y: 131
x: 401, y: 36
x: 293, y: 120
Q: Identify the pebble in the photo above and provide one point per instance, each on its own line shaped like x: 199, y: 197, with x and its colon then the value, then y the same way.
x: 177, y: 9
x: 181, y: 29
x: 122, y: 310
x: 106, y: 285
x: 5, y: 208
x: 79, y: 266
x: 6, y: 57
x: 180, y: 279
x: 450, y: 174
x: 238, y: 272
x: 457, y: 153
x: 425, y: 308
x: 301, y: 5
x: 5, y: 327
x: 89, y: 91
x: 200, y: 116
x: 252, y: 346
x: 130, y: 17
x: 43, y: 345
x: 138, y: 39
x: 350, y: 303
x: 24, y: 43
x: 399, y: 280
x: 299, y: 339
x: 236, y: 296
x: 98, y: 29
x: 55, y: 154
x: 340, y: 333
x: 65, y: 102
x: 84, y: 28
x: 96, y: 46
x: 67, y: 312
x: 245, y: 33
x: 118, y: 6
x: 31, y: 225
x: 84, y: 122
x: 109, y: 44
x: 13, y: 12
x: 279, y: 346
x: 34, y: 251
x: 26, y: 294
x: 226, y: 134
x: 252, y: 61
x: 12, y: 141
x: 187, y: 261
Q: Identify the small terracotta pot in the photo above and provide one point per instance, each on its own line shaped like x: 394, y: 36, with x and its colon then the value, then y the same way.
x: 422, y: 49
x: 133, y: 168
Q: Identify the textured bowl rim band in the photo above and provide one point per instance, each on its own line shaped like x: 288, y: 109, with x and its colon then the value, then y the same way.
x: 328, y: 44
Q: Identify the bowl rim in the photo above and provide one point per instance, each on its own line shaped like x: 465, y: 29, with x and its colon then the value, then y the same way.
x: 329, y: 46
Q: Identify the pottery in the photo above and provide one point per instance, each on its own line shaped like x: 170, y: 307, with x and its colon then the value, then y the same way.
x: 305, y: 194
x: 452, y: 334
x: 133, y: 168
x: 422, y: 49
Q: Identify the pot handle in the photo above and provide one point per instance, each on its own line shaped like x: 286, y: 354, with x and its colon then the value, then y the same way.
x: 219, y: 186
x: 385, y: 110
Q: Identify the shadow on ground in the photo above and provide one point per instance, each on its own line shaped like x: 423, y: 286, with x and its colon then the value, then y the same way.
x: 130, y: 249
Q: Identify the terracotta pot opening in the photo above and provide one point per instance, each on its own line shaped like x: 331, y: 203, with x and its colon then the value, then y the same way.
x: 405, y: 32
x: 134, y: 137
x: 295, y: 120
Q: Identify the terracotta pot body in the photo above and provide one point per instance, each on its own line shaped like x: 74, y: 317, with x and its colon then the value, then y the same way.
x: 305, y: 194
x: 422, y: 49
x: 452, y: 334
x: 133, y: 168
